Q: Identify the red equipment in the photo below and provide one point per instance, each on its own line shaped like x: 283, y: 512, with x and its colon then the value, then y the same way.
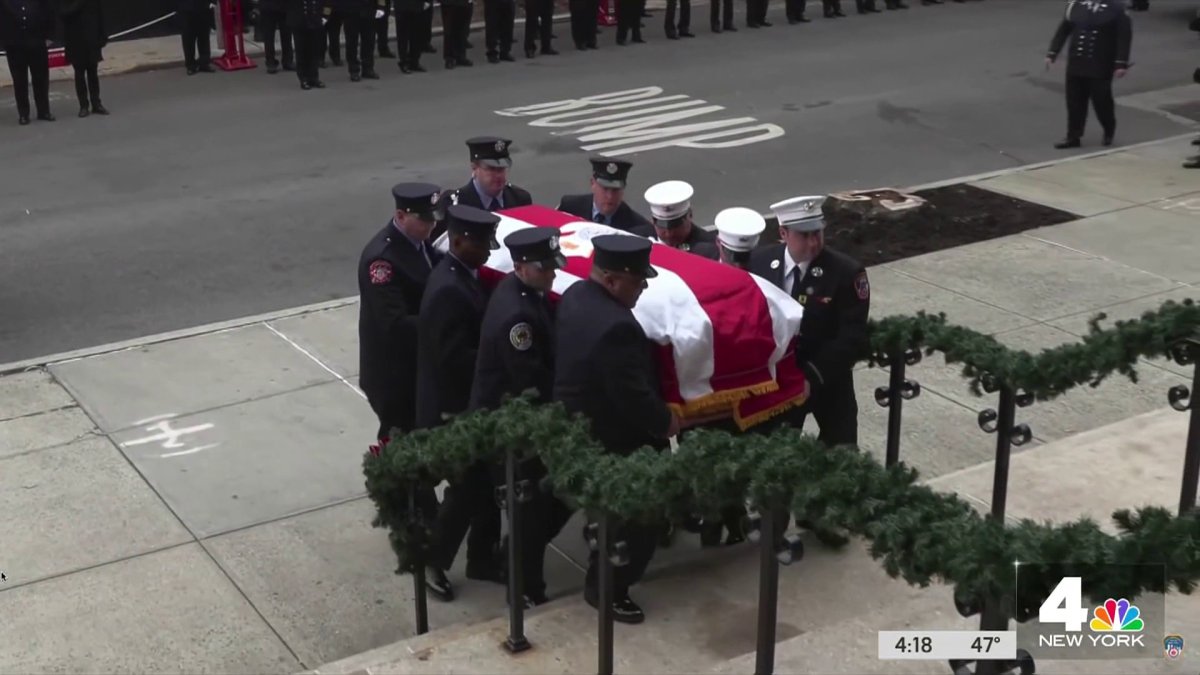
x: 606, y: 16
x: 234, y: 57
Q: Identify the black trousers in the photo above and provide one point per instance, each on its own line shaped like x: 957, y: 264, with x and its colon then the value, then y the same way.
x: 717, y: 17
x: 410, y: 37
x: 583, y: 22
x: 30, y: 64
x: 456, y: 26
x: 832, y: 6
x: 541, y: 518
x: 429, y: 30
x: 642, y: 541
x: 332, y: 44
x: 197, y: 51
x: 498, y: 17
x: 469, y: 503
x: 685, y: 16
x: 360, y: 43
x: 836, y: 410
x: 309, y: 43
x: 756, y: 12
x: 629, y: 18
x: 795, y: 9
x: 87, y: 84
x: 1098, y: 90
x: 269, y: 23
x: 864, y: 6
x: 539, y: 17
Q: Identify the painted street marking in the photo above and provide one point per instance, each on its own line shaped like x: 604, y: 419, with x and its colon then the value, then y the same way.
x: 1192, y: 204
x: 638, y: 120
x: 168, y: 437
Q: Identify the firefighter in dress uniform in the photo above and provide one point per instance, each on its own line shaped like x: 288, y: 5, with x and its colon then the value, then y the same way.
x: 516, y: 353
x: 488, y: 188
x: 305, y: 18
x: 671, y: 211
x: 359, y: 19
x: 1101, y: 34
x: 452, y: 311
x: 603, y: 369
x: 392, y: 272
x: 836, y: 295
x: 606, y: 202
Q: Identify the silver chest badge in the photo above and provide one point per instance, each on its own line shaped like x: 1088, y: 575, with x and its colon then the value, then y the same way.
x: 817, y: 272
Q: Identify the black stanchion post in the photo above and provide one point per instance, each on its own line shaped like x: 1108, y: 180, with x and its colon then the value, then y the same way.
x: 1002, y: 422
x: 514, y: 497
x: 417, y: 531
x: 768, y: 592
x: 605, y: 599
x: 893, y: 395
x: 1187, y: 352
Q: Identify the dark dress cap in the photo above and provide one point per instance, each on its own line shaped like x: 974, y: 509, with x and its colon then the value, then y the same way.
x: 624, y: 253
x: 536, y: 245
x: 611, y: 173
x: 417, y: 198
x: 490, y: 151
x: 473, y: 223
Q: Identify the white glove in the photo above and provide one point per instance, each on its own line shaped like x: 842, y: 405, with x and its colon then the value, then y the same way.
x: 324, y: 21
x: 429, y: 5
x: 379, y: 14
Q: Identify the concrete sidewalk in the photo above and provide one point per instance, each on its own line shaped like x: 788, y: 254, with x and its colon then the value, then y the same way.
x: 198, y: 498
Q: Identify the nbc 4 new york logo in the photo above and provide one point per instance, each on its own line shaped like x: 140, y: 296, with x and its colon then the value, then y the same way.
x: 1116, y: 623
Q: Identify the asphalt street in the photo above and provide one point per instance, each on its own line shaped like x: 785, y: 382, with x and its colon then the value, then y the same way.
x: 219, y: 196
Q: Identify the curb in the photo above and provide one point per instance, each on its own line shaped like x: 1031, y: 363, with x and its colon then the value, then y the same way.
x: 43, y: 361
x: 258, y: 52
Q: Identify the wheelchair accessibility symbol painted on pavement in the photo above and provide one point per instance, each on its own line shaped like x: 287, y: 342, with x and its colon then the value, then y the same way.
x: 169, y: 437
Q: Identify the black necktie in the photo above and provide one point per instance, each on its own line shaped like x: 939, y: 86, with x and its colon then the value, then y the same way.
x: 428, y: 256
x: 494, y: 205
x: 599, y: 218
x: 796, y: 283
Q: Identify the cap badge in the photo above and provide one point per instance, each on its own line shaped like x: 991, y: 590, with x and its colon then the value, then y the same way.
x: 554, y: 242
x: 433, y: 199
x: 817, y: 272
x: 499, y: 146
x: 611, y: 168
x: 774, y: 264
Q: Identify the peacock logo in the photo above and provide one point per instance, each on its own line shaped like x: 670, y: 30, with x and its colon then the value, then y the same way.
x: 1117, y: 615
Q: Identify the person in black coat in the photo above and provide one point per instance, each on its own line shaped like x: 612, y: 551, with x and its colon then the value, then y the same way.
x: 516, y: 354
x: 1101, y: 34
x: 448, y: 343
x: 488, y: 188
x: 392, y: 273
x: 197, y: 17
x: 84, y: 36
x: 306, y: 18
x: 539, y: 28
x: 606, y: 203
x: 672, y: 224
x: 603, y: 369
x: 456, y: 28
x: 272, y: 17
x: 25, y: 30
x: 499, y: 18
x: 836, y: 295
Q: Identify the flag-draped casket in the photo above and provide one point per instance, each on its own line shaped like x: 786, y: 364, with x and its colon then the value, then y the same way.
x: 724, y: 336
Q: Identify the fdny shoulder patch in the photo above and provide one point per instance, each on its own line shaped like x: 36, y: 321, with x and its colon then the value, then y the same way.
x: 380, y: 272
x: 521, y: 336
x: 861, y: 286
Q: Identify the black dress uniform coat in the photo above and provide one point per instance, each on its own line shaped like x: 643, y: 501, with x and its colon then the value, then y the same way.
x: 26, y: 23
x: 836, y: 296
x: 392, y: 273
x: 511, y: 197
x: 516, y: 347
x: 625, y: 218
x: 1101, y: 35
x: 448, y: 341
x: 604, y: 370
x: 83, y: 30
x: 305, y: 14
x: 697, y: 236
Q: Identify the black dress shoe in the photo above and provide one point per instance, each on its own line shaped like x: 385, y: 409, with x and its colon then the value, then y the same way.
x: 386, y: 54
x: 492, y: 58
x: 23, y: 120
x: 465, y: 63
x: 273, y: 68
x: 549, y: 51
x: 46, y: 117
x: 191, y: 71
x: 1108, y: 140
x: 1067, y: 143
x: 624, y: 609
x: 207, y: 68
x: 765, y: 24
x: 317, y: 84
x: 507, y: 57
x: 450, y: 64
x: 355, y: 77
x: 84, y: 111
x: 1196, y: 141
x: 637, y: 40
x: 417, y: 68
x: 493, y: 573
x: 716, y: 28
x: 1192, y: 163
x: 370, y: 75
x: 305, y: 86
x: 686, y: 33
x: 530, y: 53
x: 289, y: 66
x: 438, y: 584
x: 729, y: 28
x: 672, y: 35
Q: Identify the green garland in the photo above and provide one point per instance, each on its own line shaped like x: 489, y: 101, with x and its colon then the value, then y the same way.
x: 919, y: 535
x: 1054, y: 371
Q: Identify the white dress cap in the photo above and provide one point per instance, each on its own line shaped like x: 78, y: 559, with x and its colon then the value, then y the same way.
x: 801, y: 214
x: 670, y: 199
x: 738, y: 228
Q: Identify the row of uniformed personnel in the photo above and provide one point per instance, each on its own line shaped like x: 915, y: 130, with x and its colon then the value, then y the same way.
x: 434, y: 342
